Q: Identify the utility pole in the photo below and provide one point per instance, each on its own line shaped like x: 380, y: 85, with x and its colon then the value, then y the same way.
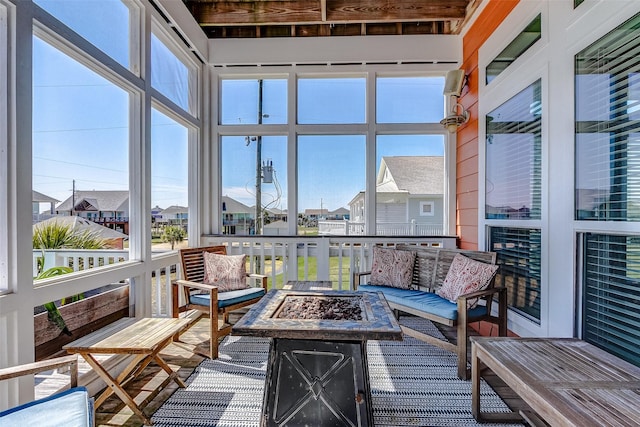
x: 258, y: 227
x: 73, y: 197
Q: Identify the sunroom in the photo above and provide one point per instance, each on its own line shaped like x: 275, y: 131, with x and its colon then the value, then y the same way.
x: 230, y: 131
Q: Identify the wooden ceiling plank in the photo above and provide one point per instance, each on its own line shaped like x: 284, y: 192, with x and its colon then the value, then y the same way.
x: 397, y: 10
x: 255, y: 12
x: 274, y: 12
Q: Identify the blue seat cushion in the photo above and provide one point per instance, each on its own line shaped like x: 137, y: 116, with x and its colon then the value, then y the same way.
x: 427, y: 302
x: 70, y: 408
x: 228, y: 298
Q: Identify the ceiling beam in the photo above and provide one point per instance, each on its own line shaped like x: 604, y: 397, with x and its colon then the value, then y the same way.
x: 300, y: 12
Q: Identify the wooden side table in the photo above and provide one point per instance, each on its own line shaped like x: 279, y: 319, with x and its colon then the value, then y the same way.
x: 141, y: 338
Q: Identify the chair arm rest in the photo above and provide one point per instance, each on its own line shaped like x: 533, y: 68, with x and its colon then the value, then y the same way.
x: 196, y: 285
x: 357, y: 277
x: 261, y: 278
x: 482, y: 293
x: 44, y: 365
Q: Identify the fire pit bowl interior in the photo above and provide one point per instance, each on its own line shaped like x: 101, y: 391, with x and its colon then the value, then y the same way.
x: 320, y: 307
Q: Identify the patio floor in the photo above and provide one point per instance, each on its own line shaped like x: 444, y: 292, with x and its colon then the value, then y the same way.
x: 115, y: 413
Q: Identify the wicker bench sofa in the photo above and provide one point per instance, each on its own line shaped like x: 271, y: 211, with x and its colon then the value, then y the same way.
x: 429, y: 271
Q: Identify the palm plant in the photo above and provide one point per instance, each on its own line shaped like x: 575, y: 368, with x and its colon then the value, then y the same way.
x: 55, y: 235
x: 173, y: 234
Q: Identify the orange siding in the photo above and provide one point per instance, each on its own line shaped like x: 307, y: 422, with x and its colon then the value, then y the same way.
x: 467, y: 147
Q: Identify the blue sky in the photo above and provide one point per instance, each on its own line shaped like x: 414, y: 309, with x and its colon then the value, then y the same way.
x: 81, y: 124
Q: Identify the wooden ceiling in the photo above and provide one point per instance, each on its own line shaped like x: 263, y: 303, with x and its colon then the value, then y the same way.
x: 314, y: 18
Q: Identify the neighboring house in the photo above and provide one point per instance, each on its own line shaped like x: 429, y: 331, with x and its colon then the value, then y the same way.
x: 339, y: 214
x: 311, y: 216
x: 156, y: 213
x: 115, y: 239
x: 36, y: 200
x: 409, y: 190
x: 277, y: 214
x: 108, y: 208
x: 237, y: 218
x: 174, y: 215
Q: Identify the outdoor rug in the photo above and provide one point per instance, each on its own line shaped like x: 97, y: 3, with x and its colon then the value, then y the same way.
x: 412, y: 384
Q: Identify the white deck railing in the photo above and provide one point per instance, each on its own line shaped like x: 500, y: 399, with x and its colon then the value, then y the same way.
x: 332, y: 258
x: 352, y: 228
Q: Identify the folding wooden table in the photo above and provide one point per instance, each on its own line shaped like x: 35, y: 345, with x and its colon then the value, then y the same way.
x: 143, y: 339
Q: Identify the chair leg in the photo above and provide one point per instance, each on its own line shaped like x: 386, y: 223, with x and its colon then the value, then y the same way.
x: 463, y: 373
x: 213, y: 324
x: 175, y: 308
x: 462, y: 339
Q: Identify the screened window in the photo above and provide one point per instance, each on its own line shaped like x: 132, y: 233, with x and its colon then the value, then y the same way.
x: 514, y: 157
x: 331, y: 173
x: 410, y: 185
x: 331, y: 100
x: 80, y: 153
x: 253, y: 101
x: 169, y: 75
x: 611, y: 294
x: 519, y: 257
x: 254, y: 185
x: 409, y: 99
x: 607, y: 80
x: 515, y: 49
x: 4, y: 141
x: 169, y: 179
x: 104, y: 23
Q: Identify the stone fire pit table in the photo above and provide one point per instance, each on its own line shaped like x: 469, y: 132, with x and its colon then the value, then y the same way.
x: 317, y: 372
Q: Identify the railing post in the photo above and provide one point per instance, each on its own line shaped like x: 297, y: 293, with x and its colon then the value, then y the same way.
x: 414, y: 228
x: 322, y: 259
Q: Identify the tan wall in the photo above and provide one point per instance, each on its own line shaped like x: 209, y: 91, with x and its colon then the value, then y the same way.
x: 467, y: 147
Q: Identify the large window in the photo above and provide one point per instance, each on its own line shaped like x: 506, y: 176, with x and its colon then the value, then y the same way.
x: 611, y: 294
x: 513, y: 191
x: 519, y: 257
x: 409, y: 99
x: 171, y: 76
x: 5, y: 138
x: 607, y: 127
x: 331, y: 174
x: 410, y: 183
x: 104, y: 23
x: 330, y: 137
x: 514, y: 157
x: 169, y: 181
x: 607, y: 105
x: 253, y: 101
x: 80, y: 153
x: 331, y: 100
x: 254, y: 185
x: 517, y: 47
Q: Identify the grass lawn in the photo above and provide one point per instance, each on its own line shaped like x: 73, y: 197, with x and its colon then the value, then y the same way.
x: 313, y: 272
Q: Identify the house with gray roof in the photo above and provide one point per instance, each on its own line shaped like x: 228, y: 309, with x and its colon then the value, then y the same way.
x: 37, y: 200
x: 409, y: 190
x: 108, y: 208
x: 237, y: 218
x: 174, y: 215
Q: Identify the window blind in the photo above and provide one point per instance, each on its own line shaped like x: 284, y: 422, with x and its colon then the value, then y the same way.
x: 611, y: 294
x: 607, y: 80
x: 519, y: 257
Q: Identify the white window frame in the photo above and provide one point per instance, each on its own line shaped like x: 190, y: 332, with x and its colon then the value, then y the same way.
x: 431, y: 208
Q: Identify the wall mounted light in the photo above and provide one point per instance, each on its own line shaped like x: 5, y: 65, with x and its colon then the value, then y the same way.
x: 453, y: 84
x: 457, y: 117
